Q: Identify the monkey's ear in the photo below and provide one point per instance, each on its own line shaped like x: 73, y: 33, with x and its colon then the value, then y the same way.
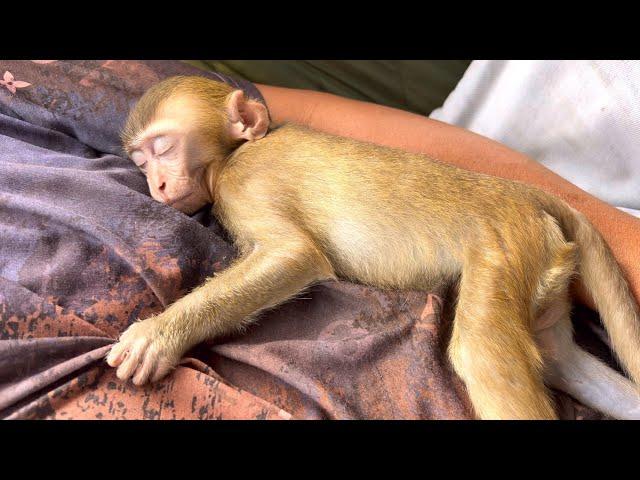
x: 249, y: 119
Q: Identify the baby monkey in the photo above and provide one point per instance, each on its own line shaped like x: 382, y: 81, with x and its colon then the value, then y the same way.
x: 303, y: 207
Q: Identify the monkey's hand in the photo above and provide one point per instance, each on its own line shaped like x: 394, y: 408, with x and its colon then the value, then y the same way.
x: 144, y: 352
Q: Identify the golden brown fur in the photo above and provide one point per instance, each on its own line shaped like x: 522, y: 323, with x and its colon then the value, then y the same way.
x: 303, y: 206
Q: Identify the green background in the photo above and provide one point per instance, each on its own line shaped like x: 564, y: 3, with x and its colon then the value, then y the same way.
x: 418, y: 86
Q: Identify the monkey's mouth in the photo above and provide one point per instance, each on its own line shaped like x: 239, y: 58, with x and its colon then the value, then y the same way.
x: 180, y: 198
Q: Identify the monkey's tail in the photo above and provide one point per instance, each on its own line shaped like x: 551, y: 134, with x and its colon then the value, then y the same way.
x: 604, y: 281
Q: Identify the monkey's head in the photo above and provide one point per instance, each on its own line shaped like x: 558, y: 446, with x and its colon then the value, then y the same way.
x: 181, y: 131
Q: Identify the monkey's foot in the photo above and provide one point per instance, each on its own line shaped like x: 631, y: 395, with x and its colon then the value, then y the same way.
x: 142, y: 353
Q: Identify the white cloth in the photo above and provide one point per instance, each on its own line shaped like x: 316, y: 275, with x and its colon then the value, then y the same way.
x: 580, y: 119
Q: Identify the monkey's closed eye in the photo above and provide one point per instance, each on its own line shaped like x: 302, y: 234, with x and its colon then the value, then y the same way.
x: 140, y: 160
x: 162, y: 145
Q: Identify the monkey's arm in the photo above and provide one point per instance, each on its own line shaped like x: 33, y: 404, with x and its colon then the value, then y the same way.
x: 263, y: 278
x: 460, y: 147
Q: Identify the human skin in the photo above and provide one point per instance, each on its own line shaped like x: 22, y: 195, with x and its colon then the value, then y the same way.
x: 463, y: 148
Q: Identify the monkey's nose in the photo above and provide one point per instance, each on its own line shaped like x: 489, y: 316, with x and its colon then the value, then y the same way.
x: 162, y: 192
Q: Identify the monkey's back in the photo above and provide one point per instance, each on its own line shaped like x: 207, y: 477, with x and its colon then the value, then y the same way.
x: 384, y: 216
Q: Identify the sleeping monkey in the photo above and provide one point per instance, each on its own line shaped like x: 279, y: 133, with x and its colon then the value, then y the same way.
x: 302, y: 207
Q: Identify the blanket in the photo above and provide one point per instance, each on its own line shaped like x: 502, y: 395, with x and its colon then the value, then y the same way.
x: 85, y: 251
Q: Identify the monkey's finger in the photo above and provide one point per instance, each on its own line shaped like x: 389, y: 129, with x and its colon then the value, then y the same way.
x: 147, y: 367
x: 162, y: 368
x: 117, y: 354
x: 129, y: 365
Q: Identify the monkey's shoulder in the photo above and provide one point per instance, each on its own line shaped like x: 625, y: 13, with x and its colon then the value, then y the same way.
x: 302, y: 135
x: 295, y: 137
x: 292, y: 147
x: 294, y: 141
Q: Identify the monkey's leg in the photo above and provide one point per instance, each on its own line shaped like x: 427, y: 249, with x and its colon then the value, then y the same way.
x: 269, y: 275
x: 493, y: 350
x: 586, y: 378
